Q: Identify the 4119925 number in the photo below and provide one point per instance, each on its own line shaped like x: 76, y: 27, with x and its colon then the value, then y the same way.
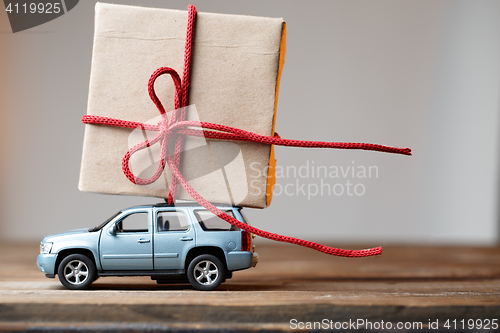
x: 32, y: 8
x: 478, y: 324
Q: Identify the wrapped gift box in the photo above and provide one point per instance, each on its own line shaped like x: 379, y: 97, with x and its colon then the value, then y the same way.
x: 235, y: 71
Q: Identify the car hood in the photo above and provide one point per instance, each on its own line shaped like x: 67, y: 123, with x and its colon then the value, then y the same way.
x: 67, y: 233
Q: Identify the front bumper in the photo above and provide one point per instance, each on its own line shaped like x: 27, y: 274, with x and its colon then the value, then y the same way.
x: 46, y: 263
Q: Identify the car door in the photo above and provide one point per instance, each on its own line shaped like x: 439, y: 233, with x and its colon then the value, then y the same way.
x: 174, y: 237
x: 126, y: 244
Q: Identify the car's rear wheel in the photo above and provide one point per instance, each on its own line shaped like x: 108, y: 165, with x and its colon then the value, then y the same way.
x: 77, y: 272
x: 206, y: 272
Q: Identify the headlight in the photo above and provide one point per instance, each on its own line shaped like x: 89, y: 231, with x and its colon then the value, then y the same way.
x: 45, y: 248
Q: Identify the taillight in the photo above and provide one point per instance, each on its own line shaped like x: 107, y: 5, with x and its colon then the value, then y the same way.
x: 245, y: 241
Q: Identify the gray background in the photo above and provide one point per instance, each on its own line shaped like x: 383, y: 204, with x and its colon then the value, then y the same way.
x: 419, y: 74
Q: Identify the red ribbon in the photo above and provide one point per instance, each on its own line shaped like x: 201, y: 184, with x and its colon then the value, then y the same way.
x: 177, y: 127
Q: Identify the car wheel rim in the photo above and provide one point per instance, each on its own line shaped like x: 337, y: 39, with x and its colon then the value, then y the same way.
x: 76, y: 272
x: 206, y: 272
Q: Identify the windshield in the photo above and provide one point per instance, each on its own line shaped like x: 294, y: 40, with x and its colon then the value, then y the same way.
x: 99, y: 227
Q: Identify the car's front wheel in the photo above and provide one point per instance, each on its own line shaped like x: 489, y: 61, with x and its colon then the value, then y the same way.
x: 206, y: 272
x: 77, y: 272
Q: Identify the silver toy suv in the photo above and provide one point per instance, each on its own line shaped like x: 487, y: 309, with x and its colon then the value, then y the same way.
x: 171, y: 244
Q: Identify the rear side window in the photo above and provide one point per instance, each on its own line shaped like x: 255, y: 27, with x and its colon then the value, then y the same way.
x: 172, y: 221
x: 211, y: 222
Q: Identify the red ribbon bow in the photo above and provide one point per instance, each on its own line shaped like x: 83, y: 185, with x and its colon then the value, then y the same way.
x: 176, y: 127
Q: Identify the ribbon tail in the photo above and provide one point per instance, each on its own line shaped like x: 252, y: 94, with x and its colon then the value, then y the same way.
x: 223, y: 132
x: 261, y: 233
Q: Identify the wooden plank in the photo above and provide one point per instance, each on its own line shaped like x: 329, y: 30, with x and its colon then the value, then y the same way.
x: 406, y: 283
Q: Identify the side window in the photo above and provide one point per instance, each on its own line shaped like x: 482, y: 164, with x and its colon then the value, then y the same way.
x: 171, y: 221
x: 211, y: 222
x: 135, y: 222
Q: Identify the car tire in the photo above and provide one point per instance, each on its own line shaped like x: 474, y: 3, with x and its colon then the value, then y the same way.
x: 206, y: 272
x: 77, y: 272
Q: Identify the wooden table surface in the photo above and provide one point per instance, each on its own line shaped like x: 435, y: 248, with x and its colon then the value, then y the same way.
x: 407, y: 283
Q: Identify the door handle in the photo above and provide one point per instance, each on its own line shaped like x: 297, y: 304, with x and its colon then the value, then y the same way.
x: 185, y: 239
x: 142, y: 240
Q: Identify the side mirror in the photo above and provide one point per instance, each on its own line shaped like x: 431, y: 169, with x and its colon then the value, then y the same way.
x: 113, y: 230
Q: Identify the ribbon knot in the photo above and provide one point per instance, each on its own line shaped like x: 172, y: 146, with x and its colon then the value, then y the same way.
x: 163, y: 127
x: 165, y: 131
x: 176, y: 127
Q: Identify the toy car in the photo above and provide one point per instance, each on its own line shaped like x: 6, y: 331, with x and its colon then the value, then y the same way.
x: 171, y: 244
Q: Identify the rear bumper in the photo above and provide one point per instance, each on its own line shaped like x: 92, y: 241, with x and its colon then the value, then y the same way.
x: 239, y: 260
x: 46, y: 263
